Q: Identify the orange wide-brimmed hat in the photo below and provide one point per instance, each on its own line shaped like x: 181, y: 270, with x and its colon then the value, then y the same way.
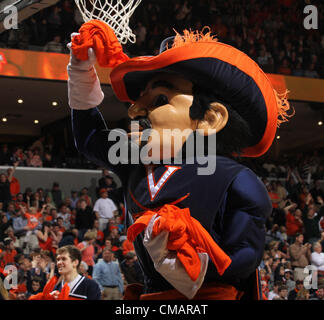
x: 230, y: 74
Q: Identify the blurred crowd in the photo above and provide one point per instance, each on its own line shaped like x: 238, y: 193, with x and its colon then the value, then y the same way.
x: 34, y: 223
x: 270, y: 32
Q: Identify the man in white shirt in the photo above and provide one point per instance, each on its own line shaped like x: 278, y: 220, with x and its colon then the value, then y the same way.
x: 104, y: 209
x: 317, y: 257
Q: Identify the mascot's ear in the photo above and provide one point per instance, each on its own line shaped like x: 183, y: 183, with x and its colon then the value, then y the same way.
x: 215, y: 119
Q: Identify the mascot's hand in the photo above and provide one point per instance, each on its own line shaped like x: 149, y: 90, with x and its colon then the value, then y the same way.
x: 84, y: 89
x: 169, y: 266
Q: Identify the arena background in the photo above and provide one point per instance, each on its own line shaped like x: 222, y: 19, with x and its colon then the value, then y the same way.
x: 33, y: 87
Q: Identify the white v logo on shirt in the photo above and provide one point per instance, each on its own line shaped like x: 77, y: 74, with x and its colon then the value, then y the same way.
x: 154, y: 188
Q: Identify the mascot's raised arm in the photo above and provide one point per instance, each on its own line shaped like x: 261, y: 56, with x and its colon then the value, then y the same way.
x: 198, y: 234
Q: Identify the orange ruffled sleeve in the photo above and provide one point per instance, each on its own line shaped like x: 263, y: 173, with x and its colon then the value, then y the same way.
x: 102, y: 39
x: 186, y: 236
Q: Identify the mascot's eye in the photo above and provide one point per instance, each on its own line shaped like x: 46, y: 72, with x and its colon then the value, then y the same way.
x: 160, y: 100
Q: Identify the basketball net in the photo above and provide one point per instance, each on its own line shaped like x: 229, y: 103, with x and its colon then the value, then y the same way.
x: 116, y: 13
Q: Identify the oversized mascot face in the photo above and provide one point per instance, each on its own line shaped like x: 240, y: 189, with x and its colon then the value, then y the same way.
x: 164, y: 108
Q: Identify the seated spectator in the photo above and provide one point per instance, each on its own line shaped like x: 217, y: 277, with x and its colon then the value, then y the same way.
x: 310, y: 71
x: 5, y: 194
x: 49, y: 202
x: 303, y: 294
x: 274, y: 293
x: 4, y: 225
x: 284, y: 67
x: 48, y: 161
x: 65, y: 214
x: 83, y: 270
x: 36, y: 286
x: 282, y: 293
x: 45, y: 236
x: 317, y: 257
x: 319, y: 294
x: 20, y: 201
x: 131, y: 269
x: 5, y: 155
x: 60, y: 223
x: 36, y: 161
x: 311, y: 219
x: 289, y: 282
x: 69, y: 237
x: 55, y: 45
x: 74, y: 199
x: 8, y: 254
x: 298, y: 70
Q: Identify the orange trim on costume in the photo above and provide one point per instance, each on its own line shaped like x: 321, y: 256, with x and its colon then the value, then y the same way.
x: 214, y: 50
x: 186, y: 236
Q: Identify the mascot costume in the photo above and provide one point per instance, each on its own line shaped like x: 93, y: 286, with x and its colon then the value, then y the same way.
x: 196, y: 236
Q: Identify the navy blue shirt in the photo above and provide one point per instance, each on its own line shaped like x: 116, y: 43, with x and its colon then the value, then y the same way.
x: 232, y: 204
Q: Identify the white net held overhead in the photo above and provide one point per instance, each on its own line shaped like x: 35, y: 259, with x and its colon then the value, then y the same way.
x: 116, y: 13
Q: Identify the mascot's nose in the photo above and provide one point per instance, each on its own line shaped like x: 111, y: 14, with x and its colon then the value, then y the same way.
x: 137, y: 110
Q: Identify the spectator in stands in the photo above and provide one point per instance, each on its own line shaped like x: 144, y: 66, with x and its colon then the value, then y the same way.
x: 87, y: 249
x: 5, y: 155
x: 56, y: 195
x: 282, y: 293
x: 294, y: 222
x: 14, y: 183
x: 289, y: 282
x: 319, y: 295
x: 45, y: 236
x: 84, y: 218
x: 7, y: 256
x: 36, y: 286
x: 107, y: 274
x: 36, y: 161
x: 49, y: 202
x: 4, y: 225
x: 131, y: 269
x: 48, y: 161
x: 317, y: 257
x: 39, y: 145
x: 84, y: 195
x: 274, y: 293
x: 20, y: 201
x: 300, y: 256
x: 65, y: 214
x: 5, y: 195
x: 311, y: 219
x: 104, y: 209
x: 310, y: 71
x: 19, y: 223
x: 74, y: 199
x: 317, y: 191
x: 303, y: 294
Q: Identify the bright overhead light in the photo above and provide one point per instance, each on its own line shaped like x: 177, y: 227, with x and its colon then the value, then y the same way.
x: 54, y: 103
x: 320, y: 123
x: 278, y: 137
x: 4, y: 119
x: 36, y: 121
x: 20, y: 100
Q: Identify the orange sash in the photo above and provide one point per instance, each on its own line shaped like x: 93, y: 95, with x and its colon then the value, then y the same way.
x: 186, y: 236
